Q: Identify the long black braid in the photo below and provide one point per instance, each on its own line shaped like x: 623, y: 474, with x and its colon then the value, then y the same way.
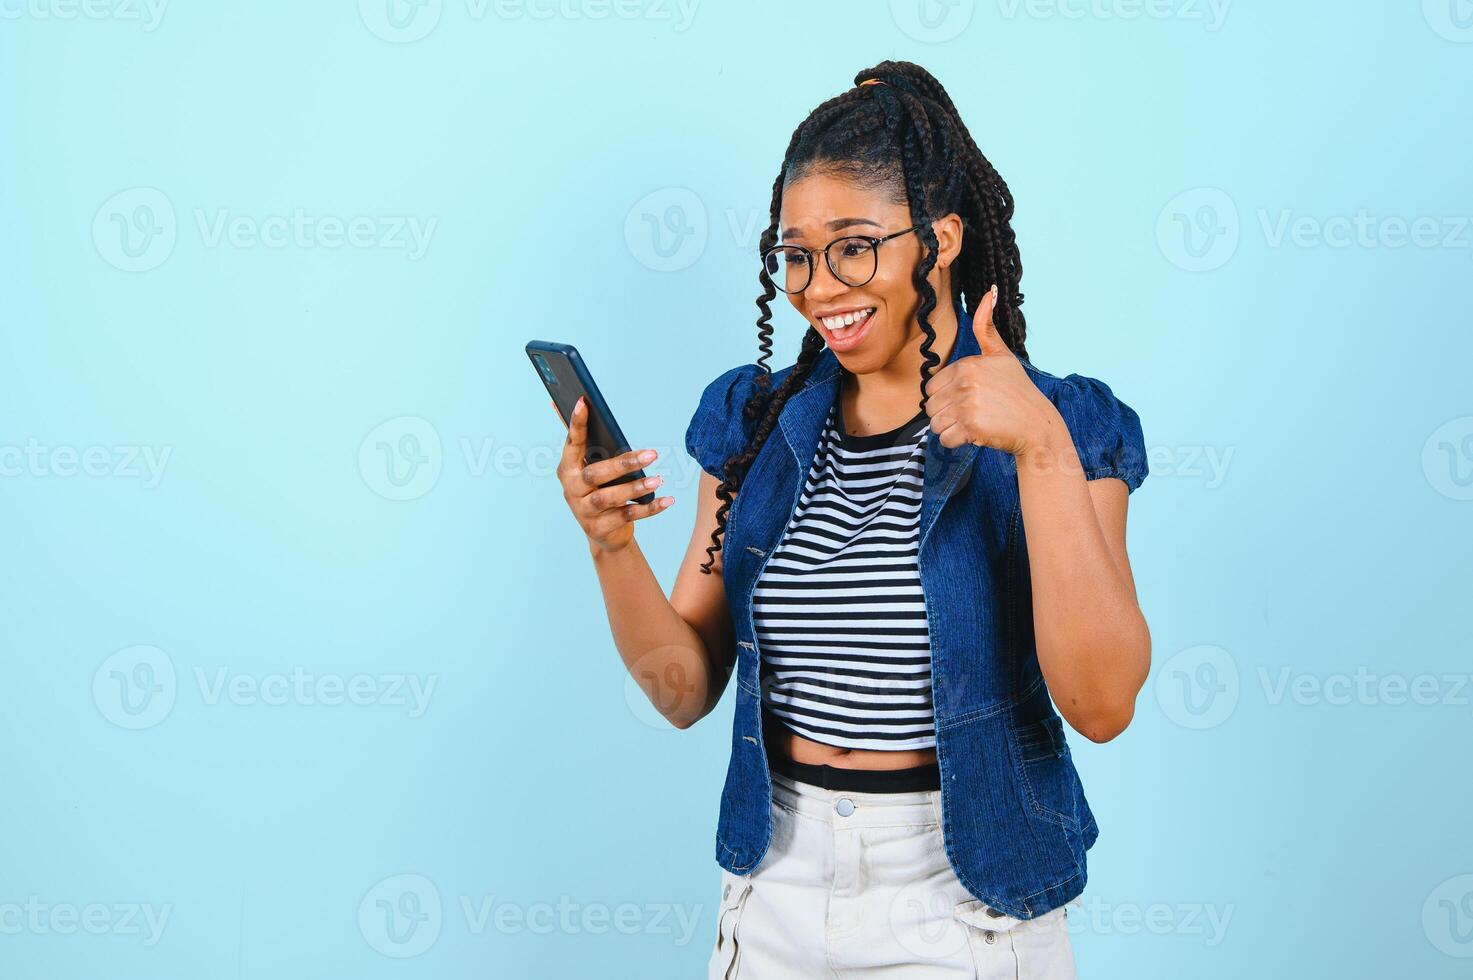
x: 903, y: 137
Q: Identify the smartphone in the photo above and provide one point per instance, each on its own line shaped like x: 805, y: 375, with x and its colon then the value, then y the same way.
x: 566, y: 377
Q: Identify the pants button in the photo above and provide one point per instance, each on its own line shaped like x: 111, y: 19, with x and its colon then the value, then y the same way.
x: 844, y: 807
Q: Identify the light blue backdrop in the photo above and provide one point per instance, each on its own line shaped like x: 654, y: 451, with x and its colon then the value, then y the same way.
x: 306, y: 671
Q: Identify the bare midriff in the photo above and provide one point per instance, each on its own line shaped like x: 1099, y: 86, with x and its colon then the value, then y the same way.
x: 782, y: 740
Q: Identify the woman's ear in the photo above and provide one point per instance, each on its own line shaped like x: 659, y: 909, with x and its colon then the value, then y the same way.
x: 948, y: 229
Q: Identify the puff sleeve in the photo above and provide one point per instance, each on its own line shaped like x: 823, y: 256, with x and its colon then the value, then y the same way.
x: 1106, y: 431
x: 717, y: 430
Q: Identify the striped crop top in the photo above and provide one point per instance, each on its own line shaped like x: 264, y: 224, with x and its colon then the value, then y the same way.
x: 838, y: 610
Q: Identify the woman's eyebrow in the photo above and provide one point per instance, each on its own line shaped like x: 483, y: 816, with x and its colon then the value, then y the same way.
x: 834, y: 225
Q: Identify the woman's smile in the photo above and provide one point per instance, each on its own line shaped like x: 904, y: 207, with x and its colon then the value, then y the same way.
x: 844, y: 329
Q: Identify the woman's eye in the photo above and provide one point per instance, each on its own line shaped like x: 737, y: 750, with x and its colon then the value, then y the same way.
x: 853, y: 249
x: 793, y: 258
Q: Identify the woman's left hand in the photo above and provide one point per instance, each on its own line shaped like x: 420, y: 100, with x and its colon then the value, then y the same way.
x: 988, y: 398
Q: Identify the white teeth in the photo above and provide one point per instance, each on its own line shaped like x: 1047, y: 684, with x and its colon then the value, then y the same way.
x: 839, y: 325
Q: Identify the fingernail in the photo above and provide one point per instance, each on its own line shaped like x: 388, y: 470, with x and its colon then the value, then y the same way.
x: 654, y: 481
x: 666, y: 502
x: 648, y: 456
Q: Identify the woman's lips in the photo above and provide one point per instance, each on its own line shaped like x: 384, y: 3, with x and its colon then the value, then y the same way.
x: 853, y: 334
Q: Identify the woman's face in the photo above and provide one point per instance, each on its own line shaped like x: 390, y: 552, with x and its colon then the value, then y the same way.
x: 865, y: 326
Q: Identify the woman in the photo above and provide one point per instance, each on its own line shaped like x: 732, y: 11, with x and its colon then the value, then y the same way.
x: 906, y: 543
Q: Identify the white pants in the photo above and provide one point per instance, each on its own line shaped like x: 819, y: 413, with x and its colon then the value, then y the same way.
x: 858, y: 885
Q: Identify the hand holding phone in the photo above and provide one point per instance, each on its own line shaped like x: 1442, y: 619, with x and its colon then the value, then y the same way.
x: 599, y: 472
x: 597, y: 501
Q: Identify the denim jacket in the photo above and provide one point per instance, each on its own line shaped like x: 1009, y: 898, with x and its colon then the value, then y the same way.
x: 1014, y: 818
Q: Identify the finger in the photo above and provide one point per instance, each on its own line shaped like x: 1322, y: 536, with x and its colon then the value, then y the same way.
x: 988, y: 339
x: 576, y: 444
x: 606, y: 522
x: 602, y: 471
x: 614, y: 497
x: 950, y: 432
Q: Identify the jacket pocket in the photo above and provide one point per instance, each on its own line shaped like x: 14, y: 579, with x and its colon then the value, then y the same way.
x: 1007, y: 948
x: 726, y: 956
x: 1047, y: 771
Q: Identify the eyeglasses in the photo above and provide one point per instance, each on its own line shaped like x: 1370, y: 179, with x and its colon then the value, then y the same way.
x: 790, y: 267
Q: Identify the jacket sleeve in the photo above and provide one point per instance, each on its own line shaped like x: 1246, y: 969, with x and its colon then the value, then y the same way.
x: 1106, y: 431
x: 717, y: 430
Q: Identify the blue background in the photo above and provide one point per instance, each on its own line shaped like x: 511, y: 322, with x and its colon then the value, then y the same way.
x: 358, y: 483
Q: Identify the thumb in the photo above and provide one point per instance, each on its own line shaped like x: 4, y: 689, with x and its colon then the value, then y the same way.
x: 988, y: 339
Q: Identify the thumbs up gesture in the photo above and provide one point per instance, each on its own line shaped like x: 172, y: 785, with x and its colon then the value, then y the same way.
x: 988, y: 398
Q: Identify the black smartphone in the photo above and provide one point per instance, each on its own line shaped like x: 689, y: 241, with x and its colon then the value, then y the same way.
x: 566, y: 377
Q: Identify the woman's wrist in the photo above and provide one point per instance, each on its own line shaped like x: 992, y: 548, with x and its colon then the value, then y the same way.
x: 1047, y: 435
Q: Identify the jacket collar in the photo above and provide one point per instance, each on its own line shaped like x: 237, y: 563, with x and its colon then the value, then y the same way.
x: 807, y: 409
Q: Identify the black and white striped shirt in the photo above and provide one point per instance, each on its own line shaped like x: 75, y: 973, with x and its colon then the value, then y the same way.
x: 839, y: 612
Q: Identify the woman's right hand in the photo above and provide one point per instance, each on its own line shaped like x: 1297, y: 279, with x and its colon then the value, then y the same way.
x: 603, y: 512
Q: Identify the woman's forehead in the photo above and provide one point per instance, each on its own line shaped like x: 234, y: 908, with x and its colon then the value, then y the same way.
x: 818, y: 204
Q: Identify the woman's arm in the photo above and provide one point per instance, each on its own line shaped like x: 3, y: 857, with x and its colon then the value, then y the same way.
x: 1094, y: 647
x: 679, y: 650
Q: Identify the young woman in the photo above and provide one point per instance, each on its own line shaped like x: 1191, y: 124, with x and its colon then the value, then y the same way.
x: 909, y: 547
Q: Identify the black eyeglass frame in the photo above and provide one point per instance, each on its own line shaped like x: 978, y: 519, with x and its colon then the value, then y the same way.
x: 873, y: 242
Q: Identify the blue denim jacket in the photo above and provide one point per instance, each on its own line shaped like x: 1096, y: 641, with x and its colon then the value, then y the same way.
x: 1014, y: 817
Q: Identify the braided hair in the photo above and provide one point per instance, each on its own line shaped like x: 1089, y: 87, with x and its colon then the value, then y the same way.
x: 904, y: 138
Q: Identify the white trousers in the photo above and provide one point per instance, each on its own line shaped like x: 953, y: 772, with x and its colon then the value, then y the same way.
x: 858, y: 885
